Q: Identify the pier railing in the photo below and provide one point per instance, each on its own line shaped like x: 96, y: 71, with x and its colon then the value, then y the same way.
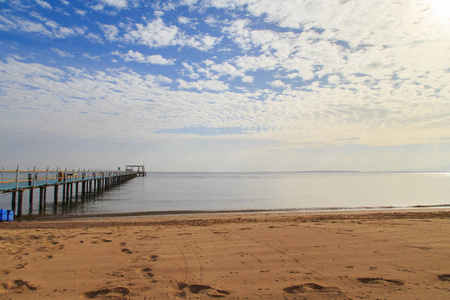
x: 92, y: 182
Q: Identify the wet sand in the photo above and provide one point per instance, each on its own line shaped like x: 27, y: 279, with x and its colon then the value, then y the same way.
x: 338, y: 255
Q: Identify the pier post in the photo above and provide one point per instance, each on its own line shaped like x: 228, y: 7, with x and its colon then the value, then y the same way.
x: 55, y: 196
x: 13, y: 201
x: 45, y: 195
x: 30, y: 205
x: 20, y: 204
x: 76, y: 191
x: 31, y: 198
x: 83, y: 189
x: 41, y: 199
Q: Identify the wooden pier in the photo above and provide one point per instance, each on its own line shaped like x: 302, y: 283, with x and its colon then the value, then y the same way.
x: 91, y: 182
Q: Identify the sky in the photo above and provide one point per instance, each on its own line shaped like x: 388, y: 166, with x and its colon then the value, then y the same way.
x: 225, y: 85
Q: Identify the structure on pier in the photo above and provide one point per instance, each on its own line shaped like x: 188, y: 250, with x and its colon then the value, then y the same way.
x: 139, y: 169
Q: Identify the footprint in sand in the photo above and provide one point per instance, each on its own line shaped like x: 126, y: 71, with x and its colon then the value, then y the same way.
x: 18, y: 286
x: 444, y: 277
x: 154, y: 257
x: 21, y: 266
x: 110, y: 293
x: 314, y: 288
x: 147, y: 272
x: 197, y: 289
x: 4, y: 272
x: 207, y: 290
x: 379, y: 280
x: 127, y: 251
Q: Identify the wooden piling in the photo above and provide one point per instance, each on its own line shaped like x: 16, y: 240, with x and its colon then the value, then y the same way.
x: 76, y: 191
x: 31, y: 197
x: 55, y: 197
x: 64, y: 193
x: 45, y: 196
x: 13, y: 201
x: 83, y: 190
x: 41, y: 199
x: 20, y: 204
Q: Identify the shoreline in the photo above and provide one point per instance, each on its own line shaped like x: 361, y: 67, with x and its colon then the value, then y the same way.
x: 207, y: 218
x: 175, y: 213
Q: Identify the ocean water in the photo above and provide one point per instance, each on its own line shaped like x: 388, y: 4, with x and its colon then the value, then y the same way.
x: 193, y: 192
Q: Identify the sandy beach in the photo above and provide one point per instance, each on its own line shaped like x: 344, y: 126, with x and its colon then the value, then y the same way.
x: 337, y: 255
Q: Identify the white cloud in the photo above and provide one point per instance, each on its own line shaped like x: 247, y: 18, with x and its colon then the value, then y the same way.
x: 49, y: 29
x: 111, y: 32
x: 188, y: 2
x: 43, y: 4
x: 158, y: 13
x: 156, y: 34
x: 189, y: 71
x: 62, y: 53
x: 91, y: 57
x: 150, y: 59
x: 213, y: 85
x: 94, y: 37
x: 184, y: 20
x: 248, y: 79
x: 119, y: 4
x: 334, y: 79
x: 277, y: 83
x: 80, y: 12
x: 143, y: 106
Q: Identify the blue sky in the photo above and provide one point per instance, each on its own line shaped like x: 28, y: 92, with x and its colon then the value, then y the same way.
x: 231, y: 85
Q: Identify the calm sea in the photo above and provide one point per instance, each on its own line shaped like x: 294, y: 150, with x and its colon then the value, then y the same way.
x: 190, y: 192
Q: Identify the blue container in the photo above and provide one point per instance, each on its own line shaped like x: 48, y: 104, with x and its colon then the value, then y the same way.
x: 10, y: 216
x: 3, y: 215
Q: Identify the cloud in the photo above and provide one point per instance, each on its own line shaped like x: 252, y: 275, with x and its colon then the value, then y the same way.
x: 248, y: 78
x: 62, y: 53
x: 315, y: 72
x: 157, y: 34
x: 80, y: 12
x: 94, y: 37
x: 119, y: 4
x: 92, y: 57
x: 111, y: 32
x: 43, y: 4
x: 139, y: 57
x: 277, y: 83
x: 126, y: 104
x: 49, y: 29
x: 116, y: 4
x: 212, y: 85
